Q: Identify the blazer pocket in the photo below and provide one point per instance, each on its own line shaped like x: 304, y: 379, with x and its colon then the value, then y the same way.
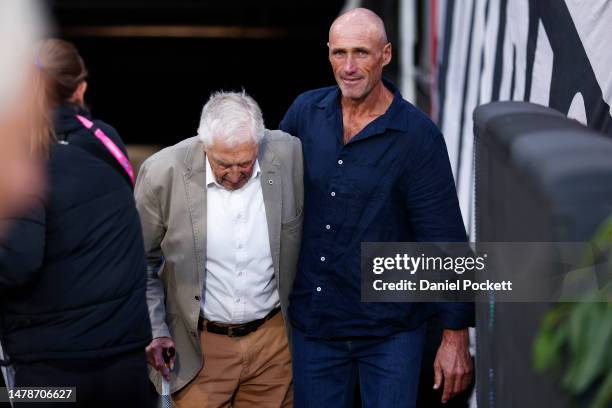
x: 294, y: 223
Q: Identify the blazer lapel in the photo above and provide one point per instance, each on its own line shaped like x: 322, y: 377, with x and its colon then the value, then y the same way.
x: 195, y: 190
x: 272, y: 193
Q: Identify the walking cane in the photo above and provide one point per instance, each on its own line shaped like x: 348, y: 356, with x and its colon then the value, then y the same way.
x: 166, y: 399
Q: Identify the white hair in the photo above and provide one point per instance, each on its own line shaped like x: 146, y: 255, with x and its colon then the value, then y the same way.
x: 231, y: 118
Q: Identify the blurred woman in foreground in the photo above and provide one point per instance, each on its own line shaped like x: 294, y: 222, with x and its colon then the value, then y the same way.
x: 21, y: 24
x: 72, y: 271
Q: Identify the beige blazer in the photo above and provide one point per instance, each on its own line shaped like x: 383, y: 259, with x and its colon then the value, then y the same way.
x: 171, y: 200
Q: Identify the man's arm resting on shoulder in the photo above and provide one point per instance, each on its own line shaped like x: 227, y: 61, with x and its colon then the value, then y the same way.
x: 289, y: 123
x: 153, y: 229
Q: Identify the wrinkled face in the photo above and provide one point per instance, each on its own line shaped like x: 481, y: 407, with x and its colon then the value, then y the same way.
x: 357, y: 55
x: 232, y: 166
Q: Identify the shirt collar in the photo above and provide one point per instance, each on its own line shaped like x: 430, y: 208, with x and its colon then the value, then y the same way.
x: 390, y: 120
x: 210, y: 177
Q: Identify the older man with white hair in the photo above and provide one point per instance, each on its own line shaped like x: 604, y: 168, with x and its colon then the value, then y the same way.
x: 222, y: 219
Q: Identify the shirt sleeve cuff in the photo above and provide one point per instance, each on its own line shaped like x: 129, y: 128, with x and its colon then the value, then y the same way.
x: 456, y: 315
x: 161, y: 331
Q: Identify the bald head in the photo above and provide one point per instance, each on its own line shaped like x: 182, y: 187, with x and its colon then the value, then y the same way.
x: 358, y: 51
x: 363, y: 20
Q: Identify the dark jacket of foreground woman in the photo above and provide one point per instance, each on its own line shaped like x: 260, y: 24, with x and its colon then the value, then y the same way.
x: 72, y: 271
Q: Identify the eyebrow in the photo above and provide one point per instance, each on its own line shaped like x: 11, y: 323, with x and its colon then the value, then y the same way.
x: 220, y: 162
x: 225, y: 164
x: 353, y: 49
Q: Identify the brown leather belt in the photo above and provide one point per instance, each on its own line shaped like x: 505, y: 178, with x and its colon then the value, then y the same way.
x: 235, y: 330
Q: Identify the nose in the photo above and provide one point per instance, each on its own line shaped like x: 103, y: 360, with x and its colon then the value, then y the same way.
x: 349, y: 65
x: 233, y: 176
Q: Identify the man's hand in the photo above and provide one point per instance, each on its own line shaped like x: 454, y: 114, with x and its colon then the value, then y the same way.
x: 453, y: 363
x: 155, y: 356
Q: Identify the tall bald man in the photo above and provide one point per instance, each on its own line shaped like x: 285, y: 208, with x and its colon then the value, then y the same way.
x: 376, y: 169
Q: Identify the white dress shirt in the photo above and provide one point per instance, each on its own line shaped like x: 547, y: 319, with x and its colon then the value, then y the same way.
x: 240, y: 285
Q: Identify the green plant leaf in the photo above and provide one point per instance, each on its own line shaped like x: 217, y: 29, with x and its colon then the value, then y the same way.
x: 547, y: 348
x: 598, y: 340
x: 603, y: 398
x: 548, y: 342
x: 577, y: 338
x: 577, y: 321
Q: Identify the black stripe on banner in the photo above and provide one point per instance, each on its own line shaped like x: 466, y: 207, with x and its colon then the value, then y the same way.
x: 466, y: 76
x: 532, y: 42
x: 513, y: 80
x: 448, y: 31
x: 499, y: 50
x: 572, y: 71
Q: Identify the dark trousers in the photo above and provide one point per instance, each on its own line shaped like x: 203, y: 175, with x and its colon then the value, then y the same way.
x: 325, y: 372
x: 116, y: 381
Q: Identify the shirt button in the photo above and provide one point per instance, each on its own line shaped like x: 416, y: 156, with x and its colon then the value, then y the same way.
x: 327, y: 226
x: 237, y: 300
x: 340, y: 162
x: 197, y: 297
x: 240, y: 273
x: 322, y: 259
x: 333, y: 193
x: 318, y: 288
x: 239, y: 245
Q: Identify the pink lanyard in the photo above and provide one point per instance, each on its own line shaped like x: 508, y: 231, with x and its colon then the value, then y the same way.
x: 112, y: 147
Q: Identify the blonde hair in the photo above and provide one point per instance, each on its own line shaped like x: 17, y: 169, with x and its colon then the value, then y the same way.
x: 59, y: 71
x: 41, y: 126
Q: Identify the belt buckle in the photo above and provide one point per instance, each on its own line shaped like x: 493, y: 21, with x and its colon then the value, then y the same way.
x: 238, y: 331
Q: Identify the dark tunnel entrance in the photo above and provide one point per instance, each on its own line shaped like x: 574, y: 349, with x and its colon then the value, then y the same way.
x: 153, y: 64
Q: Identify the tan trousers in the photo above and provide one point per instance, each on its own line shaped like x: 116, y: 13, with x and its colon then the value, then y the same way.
x: 249, y: 371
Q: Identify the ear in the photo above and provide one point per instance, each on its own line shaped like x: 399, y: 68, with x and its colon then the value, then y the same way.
x: 387, y: 53
x: 84, y: 86
x: 78, y: 96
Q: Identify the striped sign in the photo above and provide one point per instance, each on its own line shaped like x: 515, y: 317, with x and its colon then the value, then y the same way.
x: 550, y: 52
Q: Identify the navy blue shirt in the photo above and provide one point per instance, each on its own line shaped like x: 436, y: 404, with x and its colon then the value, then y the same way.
x: 391, y: 183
